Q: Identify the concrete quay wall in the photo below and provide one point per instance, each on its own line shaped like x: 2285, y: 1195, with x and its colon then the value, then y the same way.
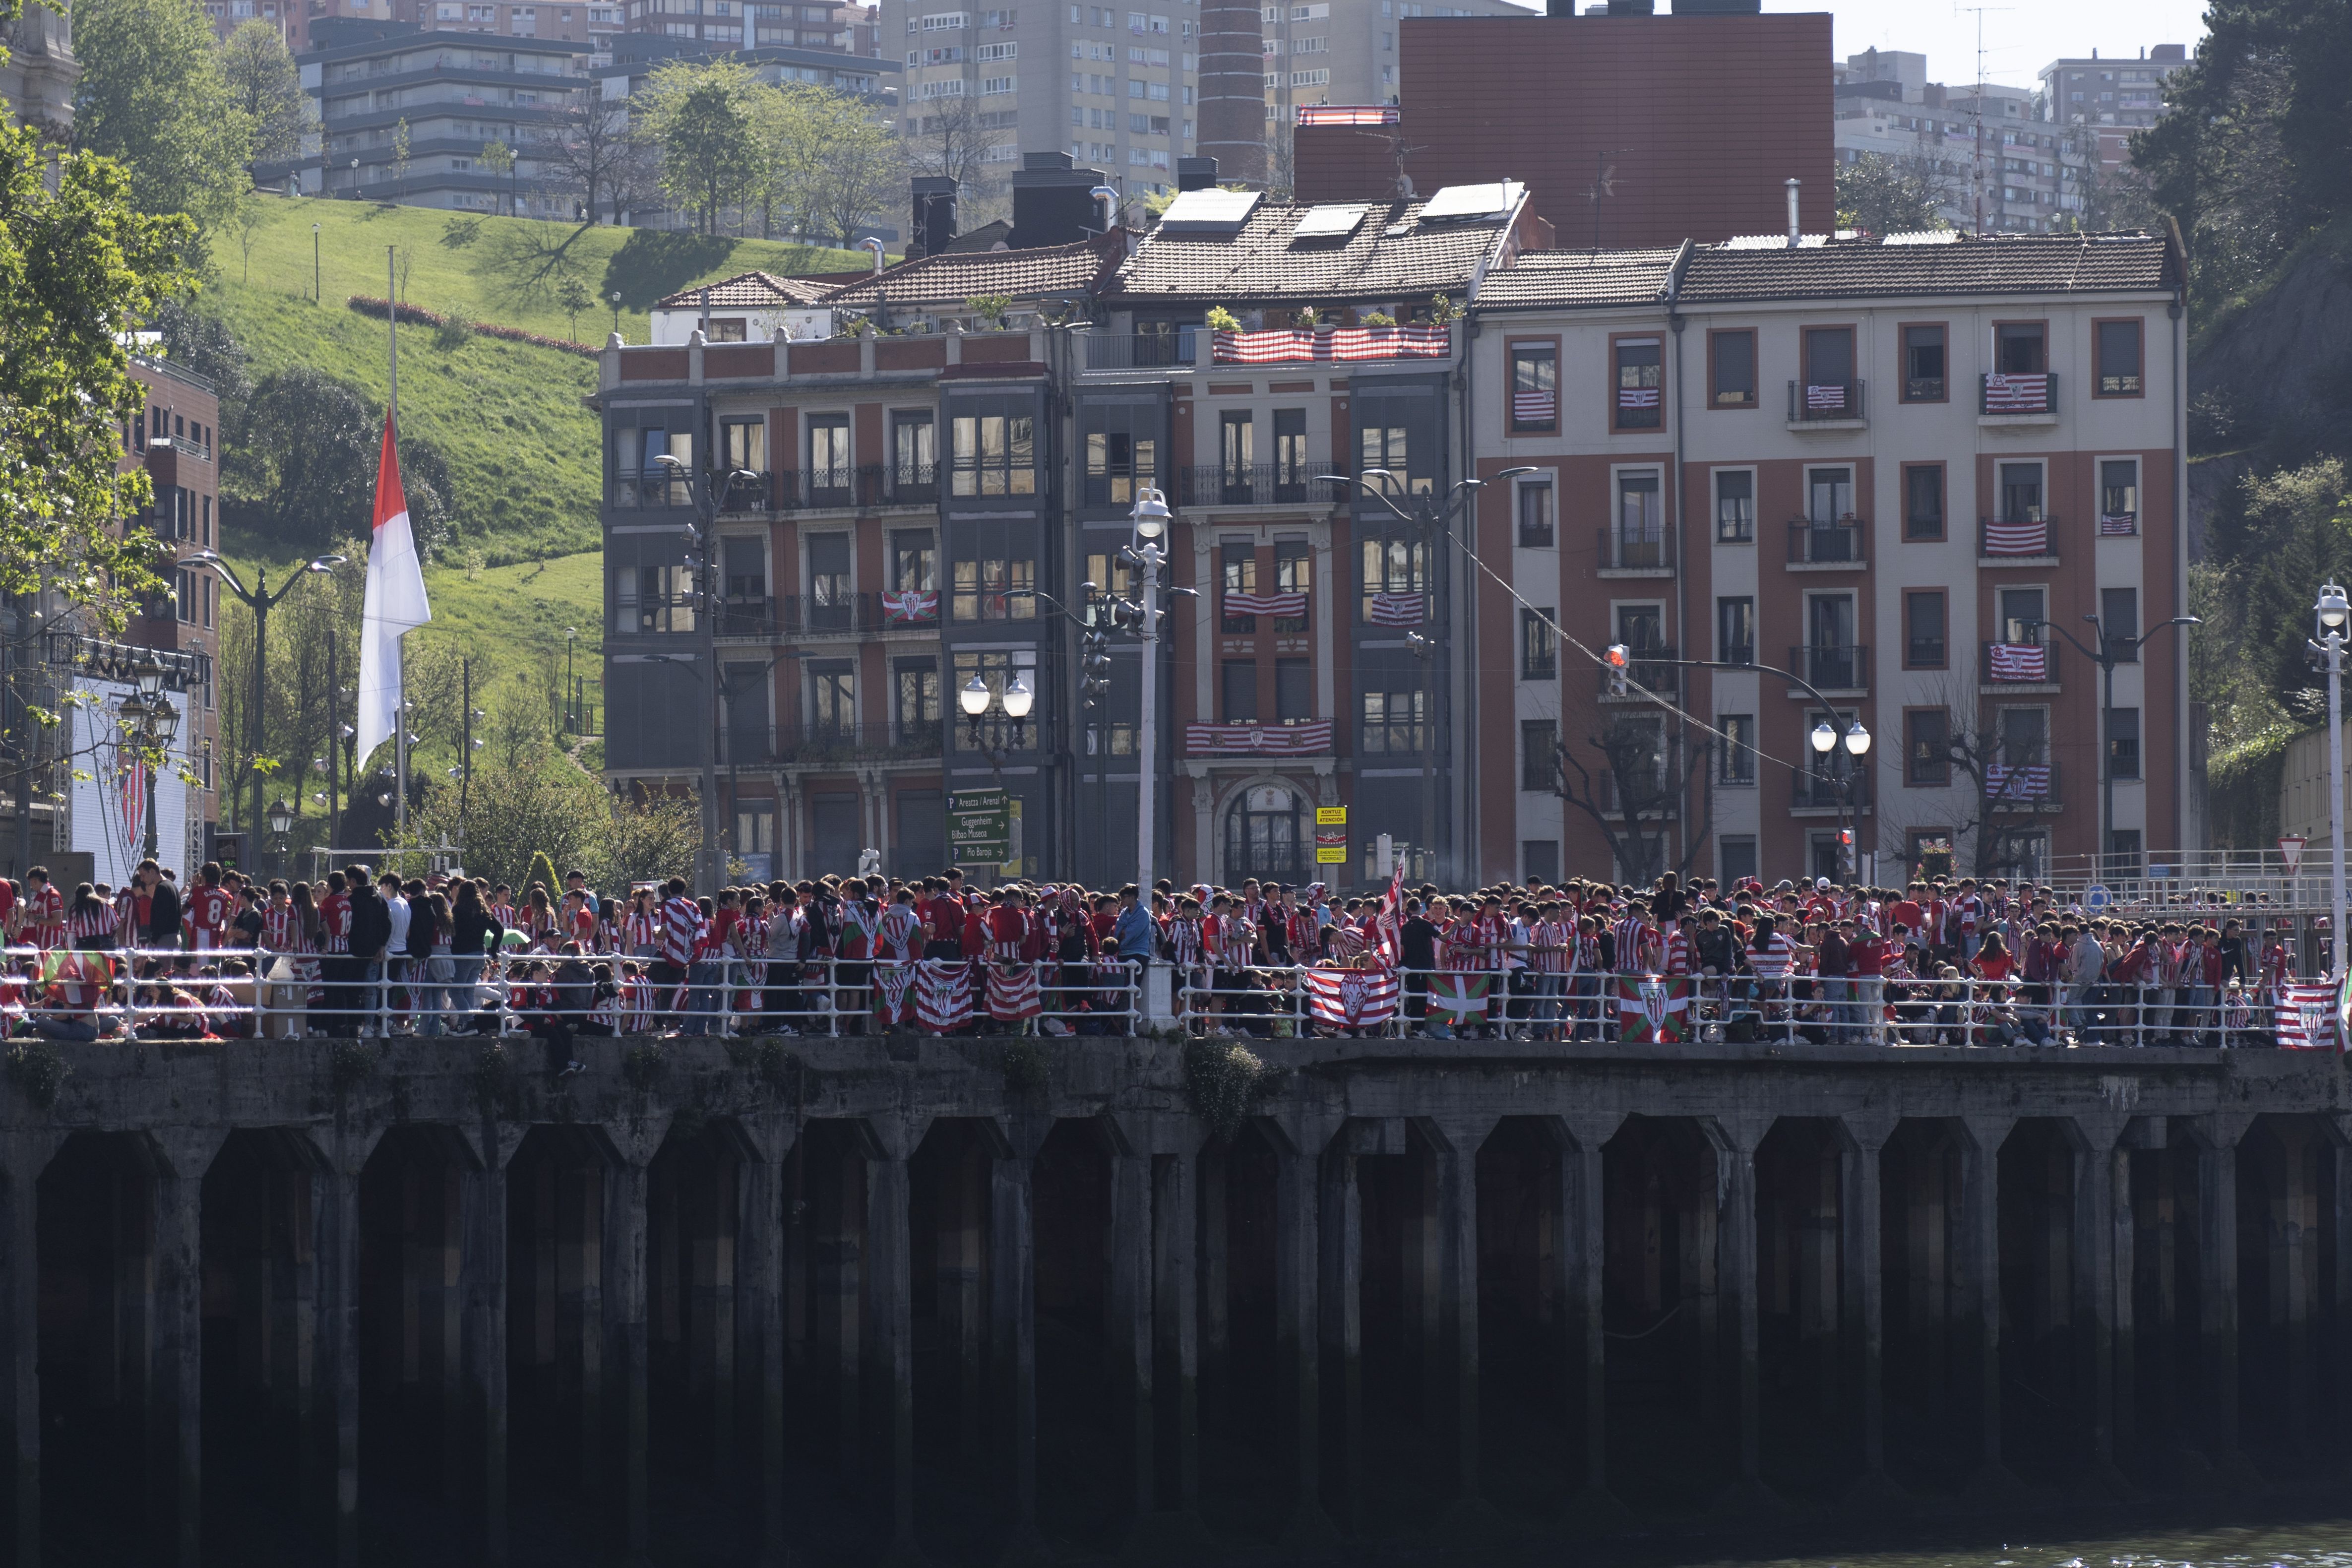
x: 848, y: 1300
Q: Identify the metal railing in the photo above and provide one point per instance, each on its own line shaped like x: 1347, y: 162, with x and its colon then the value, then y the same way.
x: 1140, y: 351
x: 1251, y: 484
x: 1622, y: 550
x: 167, y: 993
x: 759, y: 745
x: 1843, y: 542
x: 1832, y: 667
x: 787, y: 489
x: 1815, y: 401
x: 1811, y: 790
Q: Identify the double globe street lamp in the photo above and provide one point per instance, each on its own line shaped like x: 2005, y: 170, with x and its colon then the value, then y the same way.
x: 1856, y: 745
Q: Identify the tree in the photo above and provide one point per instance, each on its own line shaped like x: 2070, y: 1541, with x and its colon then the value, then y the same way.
x: 400, y: 148
x: 1996, y: 826
x: 265, y: 86
x: 644, y: 839
x: 300, y: 465
x: 1644, y: 780
x: 855, y: 165
x: 701, y: 117
x: 1882, y: 194
x: 498, y: 162
x: 948, y: 139
x: 152, y: 95
x: 585, y: 148
x: 571, y: 297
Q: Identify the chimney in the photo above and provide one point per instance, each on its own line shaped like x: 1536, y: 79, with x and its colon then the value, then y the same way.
x: 1796, y: 226
x: 1559, y: 7
x: 1052, y: 201
x: 1196, y: 174
x: 935, y: 215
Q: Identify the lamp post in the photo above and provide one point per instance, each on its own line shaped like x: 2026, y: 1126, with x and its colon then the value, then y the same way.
x: 281, y: 823
x: 571, y: 707
x: 707, y: 503
x: 260, y: 601
x: 314, y: 264
x: 1151, y: 520
x: 1823, y: 736
x: 2110, y: 653
x: 1430, y: 520
x: 149, y: 717
x: 1825, y: 740
x: 2331, y: 610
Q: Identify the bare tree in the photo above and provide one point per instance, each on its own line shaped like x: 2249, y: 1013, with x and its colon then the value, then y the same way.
x: 2006, y: 781
x: 587, y: 147
x: 1645, y: 773
x: 949, y: 137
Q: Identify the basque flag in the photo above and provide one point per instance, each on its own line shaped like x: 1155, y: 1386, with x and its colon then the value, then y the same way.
x: 394, y: 604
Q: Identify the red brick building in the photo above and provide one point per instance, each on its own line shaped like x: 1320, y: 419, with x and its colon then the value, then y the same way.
x: 1701, y: 118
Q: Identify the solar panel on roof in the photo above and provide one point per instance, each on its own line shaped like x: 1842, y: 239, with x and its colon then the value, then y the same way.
x: 1923, y: 237
x: 1336, y: 222
x: 1487, y: 201
x: 1209, y: 211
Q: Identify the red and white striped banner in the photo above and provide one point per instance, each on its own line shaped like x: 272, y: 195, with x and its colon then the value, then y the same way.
x: 1351, y: 998
x: 1398, y: 609
x: 2119, y: 522
x: 2304, y: 1016
x: 1328, y: 344
x: 2019, y: 661
x: 1013, y: 991
x: 2017, y: 394
x: 1260, y: 739
x: 2017, y: 538
x: 1245, y: 604
x: 1637, y: 397
x: 943, y: 994
x: 1347, y: 114
x: 1825, y: 399
x: 1534, y: 407
x: 909, y: 605
x: 2031, y: 782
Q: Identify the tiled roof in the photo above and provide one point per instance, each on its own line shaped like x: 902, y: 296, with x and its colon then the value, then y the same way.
x: 953, y: 277
x: 1579, y: 277
x: 1261, y: 262
x: 758, y: 291
x: 1990, y: 264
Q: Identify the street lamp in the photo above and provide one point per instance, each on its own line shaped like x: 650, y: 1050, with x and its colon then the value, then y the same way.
x: 260, y: 601
x: 282, y: 817
x: 314, y: 264
x: 2332, y: 610
x: 2111, y: 652
x: 1149, y: 517
x: 150, y: 720
x: 1856, y: 744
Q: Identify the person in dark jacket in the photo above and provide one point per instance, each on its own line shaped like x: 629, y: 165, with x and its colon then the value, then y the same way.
x: 474, y: 933
x: 371, y: 928
x: 162, y: 927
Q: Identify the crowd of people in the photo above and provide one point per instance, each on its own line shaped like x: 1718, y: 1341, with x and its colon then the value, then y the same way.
x: 1940, y: 961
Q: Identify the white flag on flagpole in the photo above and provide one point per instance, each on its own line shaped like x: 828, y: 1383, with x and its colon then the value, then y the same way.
x: 394, y: 606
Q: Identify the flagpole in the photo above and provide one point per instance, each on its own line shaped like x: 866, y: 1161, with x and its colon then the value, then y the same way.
x: 400, y: 713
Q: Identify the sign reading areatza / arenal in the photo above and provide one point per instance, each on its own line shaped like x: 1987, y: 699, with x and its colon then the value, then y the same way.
x: 1330, y: 836
x: 979, y: 826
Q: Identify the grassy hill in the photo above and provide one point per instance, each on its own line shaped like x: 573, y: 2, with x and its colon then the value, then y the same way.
x: 526, y: 562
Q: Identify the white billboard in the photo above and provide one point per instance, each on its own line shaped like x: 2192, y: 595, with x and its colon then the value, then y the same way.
x: 113, y: 799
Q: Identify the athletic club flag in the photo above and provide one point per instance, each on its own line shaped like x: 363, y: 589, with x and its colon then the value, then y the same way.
x: 1456, y: 998
x: 943, y: 995
x: 394, y: 603
x: 894, y: 994
x: 1013, y: 991
x: 1351, y: 998
x: 2304, y: 1018
x: 1652, y: 1010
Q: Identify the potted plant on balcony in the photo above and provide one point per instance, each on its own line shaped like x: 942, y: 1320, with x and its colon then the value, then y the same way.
x: 990, y: 309
x: 1224, y: 331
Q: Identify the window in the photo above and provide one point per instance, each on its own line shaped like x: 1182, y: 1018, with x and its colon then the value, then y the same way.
x: 1293, y: 691
x: 1927, y: 747
x: 1534, y: 387
x: 1393, y: 567
x: 2119, y: 622
x: 1237, y: 452
x: 1922, y: 364
x: 828, y: 452
x: 1239, y: 562
x: 2123, y: 743
x: 2119, y: 351
x: 2021, y: 615
x: 723, y: 329
x: 1924, y: 636
x: 995, y: 671
x: 1923, y: 501
x: 1238, y: 685
x: 1385, y: 447
x: 1639, y: 385
x: 917, y: 710
x: 1641, y: 527
x: 743, y: 444
x: 994, y: 454
x: 1735, y: 506
x: 1538, y: 858
x: 1539, y: 754
x: 1731, y: 376
x: 1535, y: 515
x: 914, y: 560
x: 1294, y: 573
x: 2020, y: 348
x: 652, y: 599
x: 914, y: 453
x: 2020, y: 492
x: 1735, y: 630
x: 994, y: 572
x: 830, y: 604
x: 1290, y: 469
x: 1736, y: 750
x: 1393, y: 720
x: 1829, y: 359
x: 1122, y: 452
x: 1739, y: 862
x: 833, y: 699
x: 2119, y: 495
x: 1829, y: 495
x: 1538, y: 646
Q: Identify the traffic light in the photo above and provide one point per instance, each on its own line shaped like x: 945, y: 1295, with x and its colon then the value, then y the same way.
x: 1845, y: 839
x: 1094, y: 666
x: 1617, y: 657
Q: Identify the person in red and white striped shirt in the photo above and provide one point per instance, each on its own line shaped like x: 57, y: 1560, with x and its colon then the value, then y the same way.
x: 41, y: 919
x: 681, y: 926
x: 92, y: 922
x: 641, y: 926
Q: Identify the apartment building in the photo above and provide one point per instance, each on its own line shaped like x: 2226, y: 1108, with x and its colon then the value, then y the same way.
x: 1896, y: 480
x: 2106, y: 100
x: 1344, y: 51
x: 1116, y: 88
x: 637, y: 56
x: 37, y: 71
x: 754, y: 24
x: 456, y: 92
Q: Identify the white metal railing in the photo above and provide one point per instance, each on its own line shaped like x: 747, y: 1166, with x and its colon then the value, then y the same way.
x: 1277, y: 1001
x: 177, y: 992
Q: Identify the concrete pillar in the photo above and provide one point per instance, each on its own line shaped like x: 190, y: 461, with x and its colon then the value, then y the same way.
x: 25, y: 1157
x: 1457, y: 1194
x: 2217, y: 1276
x: 763, y: 1288
x: 1013, y: 1332
x: 2339, y: 1177
x: 2094, y: 1339
x: 709, y: 1194
x: 626, y: 1347
x: 890, y: 1301
x: 1215, y: 1287
x: 956, y: 1272
x: 1340, y: 1238
x: 177, y: 1411
x: 1583, y: 1263
x: 1862, y: 1282
x: 1176, y: 1320
x: 2123, y: 1276
x: 1300, y: 1397
x: 1980, y: 1277
x: 484, y: 1288
x: 1130, y: 1332
x: 339, y: 1289
x: 1735, y: 1142
x: 2293, y: 1252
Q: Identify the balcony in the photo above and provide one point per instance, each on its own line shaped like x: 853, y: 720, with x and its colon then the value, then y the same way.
x: 641, y: 489
x: 752, y: 745
x: 1650, y: 674
x: 1111, y: 490
x: 1250, y: 484
x: 2029, y: 542
x: 1839, y: 546
x: 853, y: 614
x: 2017, y: 400
x: 754, y: 618
x: 2009, y: 668
x: 1826, y: 405
x: 1628, y: 552
x: 1830, y: 668
x: 2030, y: 788
x: 1811, y: 790
x: 1141, y: 350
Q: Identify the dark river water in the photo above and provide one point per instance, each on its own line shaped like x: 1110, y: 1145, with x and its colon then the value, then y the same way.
x: 2302, y: 1543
